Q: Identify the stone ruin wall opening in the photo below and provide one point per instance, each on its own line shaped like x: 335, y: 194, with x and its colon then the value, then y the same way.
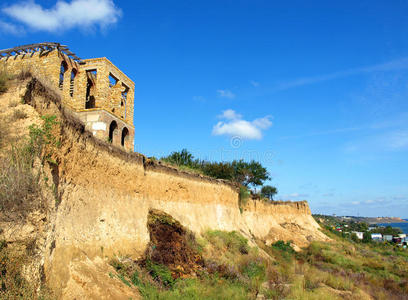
x: 94, y: 89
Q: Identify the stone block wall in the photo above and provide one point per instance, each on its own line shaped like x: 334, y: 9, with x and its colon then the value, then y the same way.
x: 85, y: 88
x: 106, y: 126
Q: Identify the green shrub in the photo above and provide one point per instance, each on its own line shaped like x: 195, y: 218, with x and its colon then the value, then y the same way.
x: 254, y: 269
x: 285, y: 250
x: 123, y: 279
x: 160, y: 273
x: 282, y: 246
x: 234, y: 241
x: 117, y: 265
x: 135, y: 278
x: 243, y: 197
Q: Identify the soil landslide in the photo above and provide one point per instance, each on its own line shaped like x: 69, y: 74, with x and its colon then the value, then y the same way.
x: 102, y: 196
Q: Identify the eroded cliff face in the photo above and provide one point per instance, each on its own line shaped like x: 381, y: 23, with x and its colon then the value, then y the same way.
x: 104, y: 197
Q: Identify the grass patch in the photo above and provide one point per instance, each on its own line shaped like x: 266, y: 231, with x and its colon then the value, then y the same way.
x: 18, y: 114
x: 19, y: 182
x: 160, y: 273
x: 4, y: 78
x: 13, y: 284
x: 243, y: 197
x: 233, y: 241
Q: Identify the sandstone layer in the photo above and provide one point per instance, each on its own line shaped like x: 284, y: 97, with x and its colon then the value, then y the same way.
x: 104, y: 195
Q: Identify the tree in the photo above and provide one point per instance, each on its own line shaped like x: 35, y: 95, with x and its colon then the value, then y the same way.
x: 354, y: 237
x: 252, y: 173
x: 221, y: 170
x: 269, y: 191
x: 367, y: 237
x: 182, y: 158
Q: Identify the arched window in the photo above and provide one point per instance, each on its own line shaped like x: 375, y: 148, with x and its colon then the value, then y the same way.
x: 63, y: 69
x: 125, y: 133
x: 112, y: 127
x: 71, y: 86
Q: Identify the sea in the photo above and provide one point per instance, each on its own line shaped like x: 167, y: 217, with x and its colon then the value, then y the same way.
x: 403, y: 226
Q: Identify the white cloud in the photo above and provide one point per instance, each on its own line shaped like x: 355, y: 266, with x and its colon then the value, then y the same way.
x: 254, y: 83
x: 10, y: 28
x: 226, y: 94
x: 230, y: 114
x: 263, y: 123
x: 234, y: 125
x: 65, y: 15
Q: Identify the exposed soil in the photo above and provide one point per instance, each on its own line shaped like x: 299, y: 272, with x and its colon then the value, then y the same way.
x: 172, y: 245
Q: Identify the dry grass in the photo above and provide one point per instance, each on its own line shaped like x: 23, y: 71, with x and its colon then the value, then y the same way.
x: 19, y: 187
x: 4, y: 78
x: 18, y: 114
x: 13, y: 283
x: 13, y: 103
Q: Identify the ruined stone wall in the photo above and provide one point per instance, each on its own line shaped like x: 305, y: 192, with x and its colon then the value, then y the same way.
x: 45, y: 65
x: 110, y: 103
x: 110, y: 97
x: 98, y: 122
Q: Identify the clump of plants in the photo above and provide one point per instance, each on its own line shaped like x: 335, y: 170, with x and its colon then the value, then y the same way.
x: 4, y: 78
x: 13, y: 284
x: 19, y: 182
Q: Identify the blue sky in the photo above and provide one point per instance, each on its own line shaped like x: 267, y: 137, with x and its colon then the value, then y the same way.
x: 317, y: 91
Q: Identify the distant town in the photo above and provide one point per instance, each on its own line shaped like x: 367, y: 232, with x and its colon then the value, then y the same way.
x: 365, y: 229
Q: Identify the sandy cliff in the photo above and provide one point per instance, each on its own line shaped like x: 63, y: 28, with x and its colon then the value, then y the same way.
x: 104, y: 195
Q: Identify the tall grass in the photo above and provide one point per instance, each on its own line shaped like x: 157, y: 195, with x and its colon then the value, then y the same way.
x: 19, y: 182
x: 4, y: 78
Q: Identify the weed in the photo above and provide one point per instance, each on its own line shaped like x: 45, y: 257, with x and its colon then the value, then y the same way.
x: 19, y: 114
x: 4, y: 78
x: 117, y: 265
x: 160, y: 273
x: 123, y: 279
x: 13, y: 103
x: 234, y: 241
x: 135, y: 278
x: 243, y: 197
x: 285, y: 250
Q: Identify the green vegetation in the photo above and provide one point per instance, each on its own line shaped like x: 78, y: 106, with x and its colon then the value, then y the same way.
x: 234, y: 270
x: 160, y: 273
x: 243, y: 197
x: 387, y: 230
x: 269, y: 192
x: 245, y: 173
x: 19, y: 182
x: 344, y: 228
x: 13, y: 284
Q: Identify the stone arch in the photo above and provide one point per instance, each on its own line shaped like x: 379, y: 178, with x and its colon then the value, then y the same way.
x: 63, y: 69
x: 72, y: 82
x: 125, y: 134
x: 112, y: 127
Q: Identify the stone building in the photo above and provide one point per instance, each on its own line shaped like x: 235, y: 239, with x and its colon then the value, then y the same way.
x: 95, y: 90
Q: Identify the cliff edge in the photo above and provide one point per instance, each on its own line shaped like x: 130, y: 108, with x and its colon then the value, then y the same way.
x: 100, y: 198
